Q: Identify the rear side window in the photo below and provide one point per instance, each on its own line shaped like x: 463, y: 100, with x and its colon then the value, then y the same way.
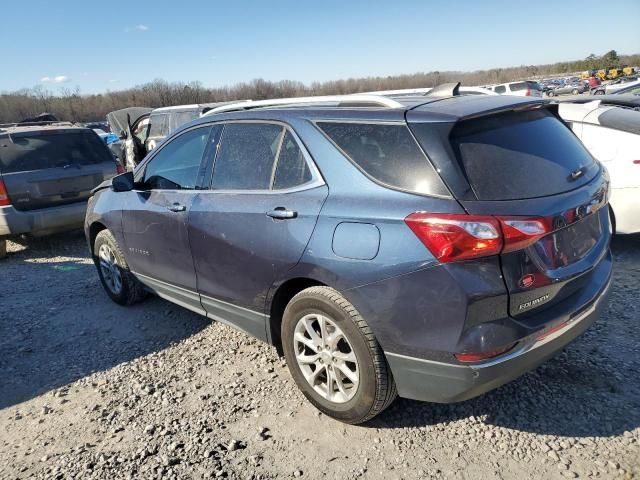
x: 21, y: 152
x: 246, y: 157
x: 292, y: 169
x: 387, y: 153
x: 521, y: 155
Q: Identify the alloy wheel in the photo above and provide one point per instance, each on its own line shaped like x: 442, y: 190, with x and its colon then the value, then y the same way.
x: 110, y: 270
x: 326, y: 358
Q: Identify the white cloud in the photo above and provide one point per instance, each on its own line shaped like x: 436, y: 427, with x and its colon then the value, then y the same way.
x: 56, y: 79
x: 114, y: 80
x: 138, y: 28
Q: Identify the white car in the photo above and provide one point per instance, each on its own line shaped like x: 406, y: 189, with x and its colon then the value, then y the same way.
x: 526, y: 88
x: 614, y: 87
x: 612, y: 135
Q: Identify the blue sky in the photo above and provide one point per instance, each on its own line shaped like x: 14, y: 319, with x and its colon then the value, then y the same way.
x: 100, y: 46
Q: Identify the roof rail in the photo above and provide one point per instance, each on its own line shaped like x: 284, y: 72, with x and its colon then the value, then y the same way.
x: 358, y: 100
x: 426, y: 91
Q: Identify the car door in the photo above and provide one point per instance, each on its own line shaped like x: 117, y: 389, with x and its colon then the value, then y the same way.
x: 254, y: 222
x: 155, y: 218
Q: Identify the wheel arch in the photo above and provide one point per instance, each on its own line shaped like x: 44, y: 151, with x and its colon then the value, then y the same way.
x: 281, y: 298
x: 94, y: 229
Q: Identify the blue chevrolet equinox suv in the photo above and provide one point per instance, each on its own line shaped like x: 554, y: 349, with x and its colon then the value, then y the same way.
x: 431, y: 247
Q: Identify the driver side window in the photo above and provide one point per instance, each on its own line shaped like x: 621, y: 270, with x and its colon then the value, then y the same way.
x: 177, y: 164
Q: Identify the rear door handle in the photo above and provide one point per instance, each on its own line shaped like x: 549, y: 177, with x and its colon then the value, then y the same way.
x: 176, y: 207
x: 282, y: 213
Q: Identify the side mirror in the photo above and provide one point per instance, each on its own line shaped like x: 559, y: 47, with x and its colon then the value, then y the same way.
x: 123, y: 135
x: 122, y: 182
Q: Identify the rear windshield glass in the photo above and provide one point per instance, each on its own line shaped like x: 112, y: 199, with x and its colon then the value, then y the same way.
x: 620, y: 118
x: 521, y: 155
x: 37, y: 151
x: 388, y: 153
x: 515, y: 87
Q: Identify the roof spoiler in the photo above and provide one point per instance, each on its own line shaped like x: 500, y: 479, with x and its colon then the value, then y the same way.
x: 445, y: 90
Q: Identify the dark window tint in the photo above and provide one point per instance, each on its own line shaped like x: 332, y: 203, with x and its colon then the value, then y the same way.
x: 246, y: 156
x: 292, y: 169
x: 50, y: 149
x: 500, y: 89
x: 518, y: 86
x: 521, y: 155
x: 159, y: 125
x: 177, y: 164
x: 624, y: 119
x: 388, y: 153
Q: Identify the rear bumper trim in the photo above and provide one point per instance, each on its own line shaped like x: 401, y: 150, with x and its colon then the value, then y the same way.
x: 41, y: 221
x: 440, y: 382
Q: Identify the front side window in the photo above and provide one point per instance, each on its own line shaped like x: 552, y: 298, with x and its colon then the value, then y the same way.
x: 246, y: 156
x: 292, y: 169
x: 500, y: 89
x: 159, y: 125
x: 177, y: 164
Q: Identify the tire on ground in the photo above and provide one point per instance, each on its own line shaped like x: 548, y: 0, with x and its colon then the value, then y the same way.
x: 376, y: 388
x: 132, y: 290
x: 3, y: 247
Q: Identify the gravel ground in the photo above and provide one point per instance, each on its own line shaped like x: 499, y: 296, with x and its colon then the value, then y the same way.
x: 93, y: 390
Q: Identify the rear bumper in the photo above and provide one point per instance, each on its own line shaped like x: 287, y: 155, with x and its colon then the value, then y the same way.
x: 42, y: 221
x: 439, y: 382
x: 625, y: 203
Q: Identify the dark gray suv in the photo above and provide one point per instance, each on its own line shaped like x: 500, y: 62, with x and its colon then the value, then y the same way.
x: 47, y: 172
x: 433, y: 247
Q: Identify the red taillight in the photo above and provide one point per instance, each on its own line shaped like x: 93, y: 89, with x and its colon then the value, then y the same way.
x: 4, y: 196
x: 478, y: 357
x: 636, y: 162
x: 452, y: 237
x: 119, y: 168
x: 520, y: 232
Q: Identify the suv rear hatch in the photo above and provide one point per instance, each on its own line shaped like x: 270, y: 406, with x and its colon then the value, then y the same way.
x: 53, y: 167
x: 526, y: 172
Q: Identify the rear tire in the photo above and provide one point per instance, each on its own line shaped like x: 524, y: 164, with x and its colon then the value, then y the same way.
x: 118, y: 281
x: 575, y: 91
x: 349, y: 380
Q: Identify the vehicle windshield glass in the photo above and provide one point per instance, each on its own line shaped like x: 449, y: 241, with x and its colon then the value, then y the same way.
x: 504, y: 158
x: 50, y: 149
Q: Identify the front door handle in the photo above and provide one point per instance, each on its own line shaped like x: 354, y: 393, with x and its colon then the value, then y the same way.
x: 282, y: 213
x: 176, y: 207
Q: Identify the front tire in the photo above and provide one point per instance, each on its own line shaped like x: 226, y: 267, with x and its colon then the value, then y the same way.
x: 575, y: 91
x: 334, y: 357
x: 117, y: 280
x: 550, y: 93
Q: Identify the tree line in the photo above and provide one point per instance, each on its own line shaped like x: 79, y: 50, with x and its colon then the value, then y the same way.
x: 72, y: 105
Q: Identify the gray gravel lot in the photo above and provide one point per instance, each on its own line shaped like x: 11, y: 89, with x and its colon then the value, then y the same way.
x: 90, y: 389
